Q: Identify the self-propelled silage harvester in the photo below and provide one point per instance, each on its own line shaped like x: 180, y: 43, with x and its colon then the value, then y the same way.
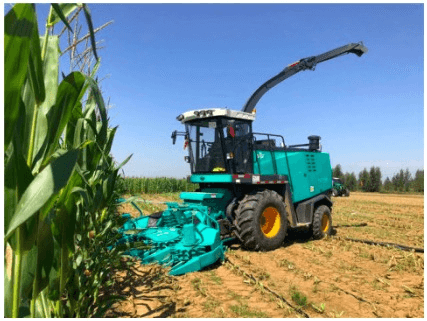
x: 252, y: 185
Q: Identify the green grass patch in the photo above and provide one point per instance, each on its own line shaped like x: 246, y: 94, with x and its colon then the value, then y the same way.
x: 235, y: 296
x: 197, y: 285
x: 243, y: 311
x: 297, y: 296
x: 211, y: 305
x: 215, y: 278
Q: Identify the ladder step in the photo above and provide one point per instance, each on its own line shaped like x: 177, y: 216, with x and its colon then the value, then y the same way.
x: 303, y: 224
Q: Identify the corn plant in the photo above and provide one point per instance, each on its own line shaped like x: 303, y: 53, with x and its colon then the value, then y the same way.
x: 135, y: 185
x: 59, y: 174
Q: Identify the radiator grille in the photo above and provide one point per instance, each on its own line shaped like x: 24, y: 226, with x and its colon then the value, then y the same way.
x: 310, y: 161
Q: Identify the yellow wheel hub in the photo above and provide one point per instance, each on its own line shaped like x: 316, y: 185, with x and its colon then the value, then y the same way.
x: 325, y: 223
x: 270, y: 222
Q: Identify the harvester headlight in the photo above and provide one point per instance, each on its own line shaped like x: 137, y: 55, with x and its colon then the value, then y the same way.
x: 197, y: 113
x: 180, y: 117
x: 210, y: 112
x: 203, y: 113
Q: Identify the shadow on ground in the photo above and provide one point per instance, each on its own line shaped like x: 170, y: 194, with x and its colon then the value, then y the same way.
x: 146, y: 290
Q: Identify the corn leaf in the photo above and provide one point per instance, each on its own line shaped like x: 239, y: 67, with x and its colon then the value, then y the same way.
x: 110, y: 137
x: 44, y: 185
x: 40, y: 142
x: 89, y: 107
x: 63, y: 226
x: 92, y: 75
x: 76, y: 114
x: 79, y: 136
x: 66, y: 217
x: 69, y: 94
x: 84, y: 194
x: 60, y: 12
x: 90, y: 27
x: 66, y: 8
x: 50, y: 70
x: 45, y: 254
x: 124, y: 162
x: 53, y: 288
x: 83, y: 132
x: 29, y: 262
x: 108, y: 186
x: 25, y: 123
x: 97, y: 200
x: 17, y: 177
x: 97, y: 98
x: 19, y: 25
x: 35, y: 67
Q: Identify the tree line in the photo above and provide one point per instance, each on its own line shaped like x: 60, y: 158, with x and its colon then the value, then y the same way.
x: 371, y: 181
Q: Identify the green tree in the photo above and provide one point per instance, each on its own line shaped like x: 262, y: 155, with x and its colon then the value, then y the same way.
x: 337, y: 172
x: 374, y: 184
x: 379, y: 178
x: 388, y: 186
x: 397, y: 181
x: 400, y: 180
x: 407, y: 179
x: 418, y: 183
x: 350, y: 181
x: 353, y: 181
x: 364, y: 180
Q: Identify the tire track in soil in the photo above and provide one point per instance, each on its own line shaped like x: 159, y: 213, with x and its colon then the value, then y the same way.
x: 298, y: 266
x: 214, y: 292
x: 224, y: 290
x: 317, y: 269
x: 411, y: 234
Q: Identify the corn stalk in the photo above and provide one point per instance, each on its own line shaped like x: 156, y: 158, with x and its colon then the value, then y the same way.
x: 58, y: 172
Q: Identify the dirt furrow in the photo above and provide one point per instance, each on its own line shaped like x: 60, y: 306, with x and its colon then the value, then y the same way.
x: 348, y: 285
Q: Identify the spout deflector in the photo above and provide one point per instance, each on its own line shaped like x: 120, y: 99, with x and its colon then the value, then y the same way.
x: 305, y: 63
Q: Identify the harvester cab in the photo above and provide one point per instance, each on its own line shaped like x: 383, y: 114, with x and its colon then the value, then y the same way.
x: 253, y: 186
x: 338, y: 188
x: 218, y: 140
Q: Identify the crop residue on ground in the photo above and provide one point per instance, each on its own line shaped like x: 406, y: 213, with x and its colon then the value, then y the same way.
x: 327, y: 278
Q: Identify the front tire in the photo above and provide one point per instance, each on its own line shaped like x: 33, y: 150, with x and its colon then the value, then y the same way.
x: 261, y: 221
x: 322, y: 222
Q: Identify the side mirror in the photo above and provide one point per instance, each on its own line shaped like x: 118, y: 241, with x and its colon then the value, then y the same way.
x: 187, y: 159
x: 174, y: 137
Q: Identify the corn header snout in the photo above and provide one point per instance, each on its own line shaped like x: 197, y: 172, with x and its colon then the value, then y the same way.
x: 184, y: 237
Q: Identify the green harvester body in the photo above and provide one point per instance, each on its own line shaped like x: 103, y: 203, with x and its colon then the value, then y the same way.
x: 253, y: 186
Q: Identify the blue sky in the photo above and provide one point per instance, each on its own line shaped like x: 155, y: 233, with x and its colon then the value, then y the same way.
x: 164, y: 59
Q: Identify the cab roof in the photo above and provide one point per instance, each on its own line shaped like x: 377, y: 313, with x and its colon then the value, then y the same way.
x: 214, y: 112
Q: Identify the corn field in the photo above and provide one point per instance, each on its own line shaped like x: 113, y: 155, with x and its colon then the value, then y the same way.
x: 59, y: 175
x: 144, y: 185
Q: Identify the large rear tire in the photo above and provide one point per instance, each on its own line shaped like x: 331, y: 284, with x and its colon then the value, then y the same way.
x: 261, y: 221
x: 322, y: 222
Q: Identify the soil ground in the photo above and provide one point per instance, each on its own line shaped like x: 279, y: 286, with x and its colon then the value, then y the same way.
x: 332, y: 277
